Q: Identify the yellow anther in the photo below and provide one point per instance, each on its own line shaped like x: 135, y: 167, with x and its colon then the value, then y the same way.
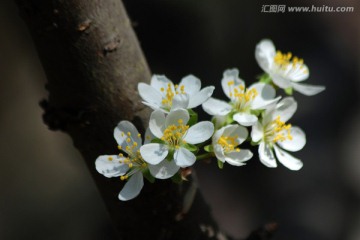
x: 237, y: 149
x: 129, y: 134
x: 231, y: 83
x: 228, y: 143
x: 122, y: 178
x: 139, y: 135
x: 121, y: 155
x: 162, y: 89
x: 122, y: 134
x: 127, y: 149
x: 180, y: 121
x: 119, y: 147
x: 284, y: 60
x: 130, y: 165
x: 135, y: 144
x: 128, y: 140
x: 279, y: 129
x: 110, y: 158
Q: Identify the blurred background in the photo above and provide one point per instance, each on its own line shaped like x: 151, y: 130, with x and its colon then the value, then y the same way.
x: 47, y: 192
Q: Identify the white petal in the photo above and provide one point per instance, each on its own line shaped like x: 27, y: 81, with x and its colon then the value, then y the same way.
x: 280, y: 80
x: 154, y: 153
x: 257, y: 132
x: 238, y: 158
x: 133, y: 187
x: 157, y: 123
x: 191, y: 84
x: 265, y: 53
x: 175, y: 116
x: 306, y: 89
x: 288, y: 160
x: 160, y: 81
x: 285, y: 109
x: 298, y: 73
x: 184, y: 158
x: 237, y: 131
x: 149, y: 94
x: 201, y: 97
x: 266, y: 155
x: 153, y: 106
x: 148, y: 136
x: 216, y: 107
x: 121, y: 134
x: 298, y: 140
x: 245, y: 119
x: 219, y: 152
x: 199, y: 132
x: 231, y: 75
x: 266, y: 94
x: 110, y: 168
x: 165, y: 169
x: 180, y: 101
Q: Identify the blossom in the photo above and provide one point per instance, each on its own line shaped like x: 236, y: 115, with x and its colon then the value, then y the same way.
x: 243, y: 101
x: 175, y: 136
x: 225, y: 143
x: 274, y: 134
x: 285, y: 70
x: 128, y: 167
x: 164, y: 95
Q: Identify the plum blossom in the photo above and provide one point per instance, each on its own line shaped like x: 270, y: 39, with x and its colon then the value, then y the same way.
x: 243, y: 101
x: 174, y: 134
x: 225, y: 142
x: 285, y: 70
x: 128, y: 167
x: 273, y: 134
x: 164, y: 95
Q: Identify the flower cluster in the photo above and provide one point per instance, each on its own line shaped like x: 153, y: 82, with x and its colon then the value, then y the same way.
x: 175, y: 139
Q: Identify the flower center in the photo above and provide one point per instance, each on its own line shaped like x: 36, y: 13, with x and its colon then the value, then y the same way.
x: 169, y: 93
x: 283, y: 60
x: 279, y: 131
x: 173, y: 134
x: 133, y: 157
x: 240, y: 97
x: 228, y: 143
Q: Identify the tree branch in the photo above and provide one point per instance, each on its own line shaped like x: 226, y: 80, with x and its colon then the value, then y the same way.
x: 93, y: 64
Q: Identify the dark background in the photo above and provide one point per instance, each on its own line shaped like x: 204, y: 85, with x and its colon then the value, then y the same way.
x: 47, y: 193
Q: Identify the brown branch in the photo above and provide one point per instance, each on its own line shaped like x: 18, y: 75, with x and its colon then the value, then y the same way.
x: 93, y: 63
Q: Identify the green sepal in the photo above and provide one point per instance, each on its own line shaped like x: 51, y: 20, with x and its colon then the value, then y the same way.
x: 289, y: 91
x: 148, y: 176
x: 170, y: 155
x: 193, y: 117
x: 254, y: 143
x: 191, y: 147
x: 256, y: 112
x: 209, y: 148
x: 265, y: 78
x: 220, y: 164
x: 229, y: 119
x: 177, y: 178
x: 157, y: 140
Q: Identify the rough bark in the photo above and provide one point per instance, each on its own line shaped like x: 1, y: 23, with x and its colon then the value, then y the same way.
x: 93, y: 63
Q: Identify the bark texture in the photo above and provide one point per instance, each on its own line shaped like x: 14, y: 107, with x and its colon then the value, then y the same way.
x: 93, y: 62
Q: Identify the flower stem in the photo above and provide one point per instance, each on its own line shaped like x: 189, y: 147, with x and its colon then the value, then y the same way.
x: 205, y: 156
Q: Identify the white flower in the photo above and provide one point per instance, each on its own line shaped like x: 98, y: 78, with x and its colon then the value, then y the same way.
x: 164, y: 95
x: 242, y: 101
x: 274, y: 134
x: 129, y: 167
x: 175, y: 134
x: 285, y: 71
x: 225, y: 144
